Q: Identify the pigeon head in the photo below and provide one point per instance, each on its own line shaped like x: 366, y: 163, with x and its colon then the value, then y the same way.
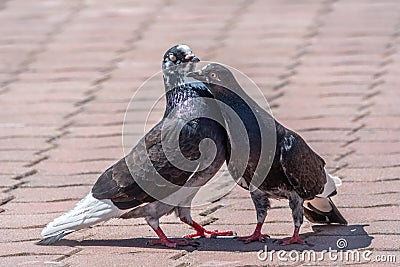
x: 213, y: 73
x: 177, y: 62
x: 217, y: 77
x: 179, y: 56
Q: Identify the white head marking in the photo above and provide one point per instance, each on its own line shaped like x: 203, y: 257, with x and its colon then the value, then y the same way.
x: 184, y: 48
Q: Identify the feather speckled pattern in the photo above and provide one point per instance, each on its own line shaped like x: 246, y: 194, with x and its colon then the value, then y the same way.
x: 117, y: 190
x: 296, y: 172
x: 303, y: 168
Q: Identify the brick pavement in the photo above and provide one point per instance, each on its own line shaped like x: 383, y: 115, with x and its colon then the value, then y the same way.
x: 330, y: 69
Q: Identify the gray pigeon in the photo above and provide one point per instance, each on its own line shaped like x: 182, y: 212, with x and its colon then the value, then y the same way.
x: 290, y: 169
x: 152, y: 181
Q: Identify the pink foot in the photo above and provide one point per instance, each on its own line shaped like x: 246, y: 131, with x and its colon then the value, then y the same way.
x: 164, y: 241
x: 209, y: 234
x: 295, y: 239
x: 172, y: 244
x: 291, y: 240
x: 202, y: 232
x: 256, y: 236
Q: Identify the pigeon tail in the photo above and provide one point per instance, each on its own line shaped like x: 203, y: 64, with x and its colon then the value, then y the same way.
x: 316, y: 215
x: 330, y: 187
x: 87, y: 212
x: 321, y: 209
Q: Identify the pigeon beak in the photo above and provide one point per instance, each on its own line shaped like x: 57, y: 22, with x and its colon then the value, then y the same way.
x: 192, y: 58
x: 195, y: 59
x: 198, y: 75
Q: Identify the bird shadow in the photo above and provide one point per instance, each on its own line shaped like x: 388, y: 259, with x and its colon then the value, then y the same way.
x: 323, y: 238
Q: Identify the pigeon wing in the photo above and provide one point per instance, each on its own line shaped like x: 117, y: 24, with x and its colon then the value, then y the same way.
x: 117, y: 182
x: 302, y: 166
x: 147, y: 162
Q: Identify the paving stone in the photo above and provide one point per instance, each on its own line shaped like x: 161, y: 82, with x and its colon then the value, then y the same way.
x: 369, y: 174
x: 58, y: 168
x: 138, y: 259
x: 56, y: 208
x: 72, y: 154
x: 58, y: 180
x: 34, y: 260
x: 30, y: 248
x: 25, y: 221
x: 27, y: 195
x: 17, y: 236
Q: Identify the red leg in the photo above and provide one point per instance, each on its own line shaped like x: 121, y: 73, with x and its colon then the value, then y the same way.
x: 295, y: 239
x: 256, y: 236
x: 202, y: 232
x: 168, y: 243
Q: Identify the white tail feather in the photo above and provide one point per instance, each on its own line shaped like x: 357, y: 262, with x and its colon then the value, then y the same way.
x: 87, y: 212
x: 337, y: 180
x: 321, y: 202
x: 331, y: 183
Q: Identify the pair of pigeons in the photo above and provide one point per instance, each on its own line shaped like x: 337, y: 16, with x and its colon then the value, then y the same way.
x: 206, y: 105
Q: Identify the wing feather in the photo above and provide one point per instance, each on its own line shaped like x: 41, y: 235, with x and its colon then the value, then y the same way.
x: 303, y: 167
x: 145, y: 160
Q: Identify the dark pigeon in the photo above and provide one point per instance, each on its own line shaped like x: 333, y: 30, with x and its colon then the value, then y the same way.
x: 145, y: 183
x: 290, y: 169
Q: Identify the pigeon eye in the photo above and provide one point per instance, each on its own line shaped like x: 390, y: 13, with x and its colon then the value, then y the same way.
x: 172, y: 57
x: 213, y: 75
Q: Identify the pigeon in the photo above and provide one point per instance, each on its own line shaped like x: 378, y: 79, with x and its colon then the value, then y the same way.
x: 152, y: 180
x: 290, y: 169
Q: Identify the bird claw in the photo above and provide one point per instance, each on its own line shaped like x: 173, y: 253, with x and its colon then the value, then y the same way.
x: 254, y: 237
x: 172, y: 244
x: 291, y: 240
x: 210, y: 234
